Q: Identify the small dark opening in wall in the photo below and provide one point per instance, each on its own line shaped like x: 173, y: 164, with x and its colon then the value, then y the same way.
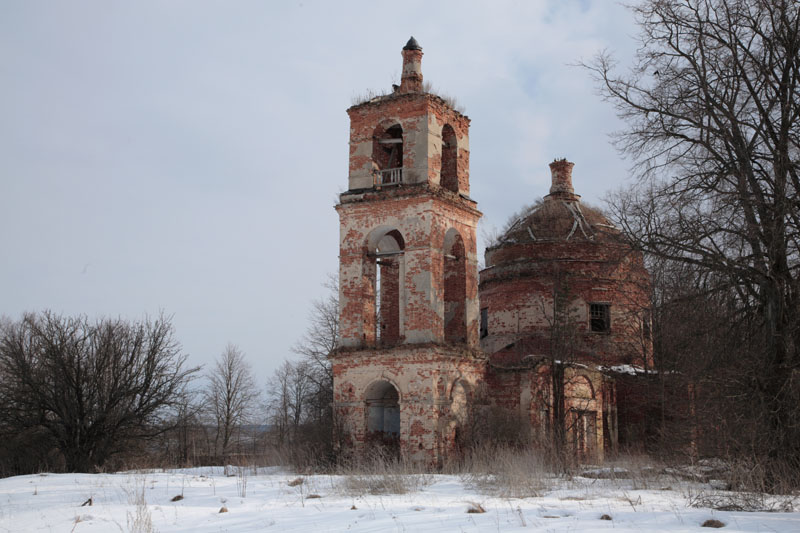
x: 449, y: 173
x: 600, y: 317
x: 484, y: 322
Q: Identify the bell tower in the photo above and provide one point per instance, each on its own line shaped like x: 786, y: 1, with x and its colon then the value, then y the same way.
x: 408, y: 297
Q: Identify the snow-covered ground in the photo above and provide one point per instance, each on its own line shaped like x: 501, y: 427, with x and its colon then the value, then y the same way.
x: 269, y: 501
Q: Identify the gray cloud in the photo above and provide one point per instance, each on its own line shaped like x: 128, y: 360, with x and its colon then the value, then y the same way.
x: 185, y: 156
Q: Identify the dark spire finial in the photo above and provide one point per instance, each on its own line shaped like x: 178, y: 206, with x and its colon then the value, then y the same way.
x: 412, y: 44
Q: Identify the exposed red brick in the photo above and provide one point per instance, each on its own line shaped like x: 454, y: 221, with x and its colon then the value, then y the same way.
x: 407, y: 220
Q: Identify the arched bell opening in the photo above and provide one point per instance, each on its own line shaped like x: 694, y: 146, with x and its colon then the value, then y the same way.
x: 383, y: 270
x: 387, y: 155
x: 449, y: 174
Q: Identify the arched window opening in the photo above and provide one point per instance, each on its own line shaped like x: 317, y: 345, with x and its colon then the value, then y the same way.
x: 383, y: 415
x: 455, y: 288
x: 580, y: 389
x: 387, y: 155
x: 383, y: 270
x: 449, y: 175
x: 388, y: 256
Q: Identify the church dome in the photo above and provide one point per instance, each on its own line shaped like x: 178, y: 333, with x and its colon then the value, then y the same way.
x: 558, y: 219
x: 559, y: 246
x: 559, y: 216
x: 556, y: 227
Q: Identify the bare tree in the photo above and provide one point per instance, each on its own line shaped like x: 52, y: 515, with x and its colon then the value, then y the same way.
x: 180, y: 445
x: 564, y: 348
x: 290, y: 392
x: 300, y: 393
x: 317, y: 343
x: 279, y: 402
x: 563, y: 343
x: 91, y: 388
x: 713, y: 115
x: 231, y: 395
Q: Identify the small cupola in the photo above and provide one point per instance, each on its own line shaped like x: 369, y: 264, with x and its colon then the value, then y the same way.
x: 561, y: 184
x: 411, y: 81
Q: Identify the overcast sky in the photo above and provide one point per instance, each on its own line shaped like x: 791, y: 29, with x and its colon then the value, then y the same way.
x: 185, y: 156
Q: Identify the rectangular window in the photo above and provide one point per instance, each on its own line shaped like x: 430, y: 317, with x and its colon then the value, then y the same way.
x: 484, y: 322
x: 600, y: 317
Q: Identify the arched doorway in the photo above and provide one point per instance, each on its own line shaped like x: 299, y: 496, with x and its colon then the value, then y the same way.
x: 383, y: 416
x: 582, y: 418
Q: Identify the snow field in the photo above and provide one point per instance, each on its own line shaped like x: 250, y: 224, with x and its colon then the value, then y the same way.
x: 265, y: 501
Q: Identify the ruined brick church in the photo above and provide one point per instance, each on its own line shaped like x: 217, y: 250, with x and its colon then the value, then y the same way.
x: 552, y: 330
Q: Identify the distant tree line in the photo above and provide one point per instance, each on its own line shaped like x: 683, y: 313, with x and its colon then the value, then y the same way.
x: 85, y: 395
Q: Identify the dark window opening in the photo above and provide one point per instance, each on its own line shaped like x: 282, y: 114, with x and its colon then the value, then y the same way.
x: 449, y: 173
x: 600, y: 317
x: 484, y: 322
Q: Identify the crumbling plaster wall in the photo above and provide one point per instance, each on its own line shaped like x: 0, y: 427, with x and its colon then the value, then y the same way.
x: 422, y: 117
x: 527, y: 392
x: 424, y: 376
x: 440, y: 115
x: 423, y: 221
x: 518, y: 286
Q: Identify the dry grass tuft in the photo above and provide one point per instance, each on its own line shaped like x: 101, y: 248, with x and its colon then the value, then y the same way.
x: 742, y: 485
x: 223, y: 509
x: 507, y: 472
x: 379, y: 474
x: 475, y: 508
x: 605, y: 517
x: 367, y: 96
x: 713, y: 523
x: 140, y: 520
x: 295, y: 482
x: 177, y: 498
